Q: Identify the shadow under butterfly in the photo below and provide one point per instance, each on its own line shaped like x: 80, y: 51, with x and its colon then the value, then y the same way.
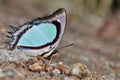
x: 40, y: 36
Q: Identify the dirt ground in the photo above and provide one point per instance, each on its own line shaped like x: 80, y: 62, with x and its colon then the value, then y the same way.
x: 93, y: 45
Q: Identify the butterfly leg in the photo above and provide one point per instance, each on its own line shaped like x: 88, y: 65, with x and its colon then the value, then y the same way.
x: 50, y: 58
x: 50, y: 61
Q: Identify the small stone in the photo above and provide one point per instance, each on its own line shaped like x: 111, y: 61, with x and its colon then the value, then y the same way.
x: 1, y: 73
x: 79, y: 70
x: 71, y: 78
x: 56, y: 71
x: 35, y: 67
x: 60, y: 63
x: 63, y: 68
x: 11, y: 73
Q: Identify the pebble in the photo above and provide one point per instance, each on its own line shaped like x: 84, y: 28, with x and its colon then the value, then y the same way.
x: 56, y: 71
x: 79, y: 70
x: 1, y: 73
x: 71, y: 78
x: 35, y: 67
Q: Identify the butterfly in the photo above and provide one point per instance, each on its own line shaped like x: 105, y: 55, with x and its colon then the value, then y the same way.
x: 40, y: 36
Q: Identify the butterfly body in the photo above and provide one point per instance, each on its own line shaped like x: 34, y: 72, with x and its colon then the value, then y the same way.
x: 40, y: 36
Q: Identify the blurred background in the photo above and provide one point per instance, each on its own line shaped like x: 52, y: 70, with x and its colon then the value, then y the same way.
x: 92, y: 25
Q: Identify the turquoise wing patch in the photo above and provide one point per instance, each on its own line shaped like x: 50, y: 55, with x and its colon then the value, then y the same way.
x: 38, y: 35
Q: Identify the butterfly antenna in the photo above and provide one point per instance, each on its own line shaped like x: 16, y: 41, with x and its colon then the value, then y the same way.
x: 57, y: 50
x: 65, y: 46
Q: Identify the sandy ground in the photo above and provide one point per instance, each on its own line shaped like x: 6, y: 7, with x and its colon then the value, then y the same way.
x: 101, y: 56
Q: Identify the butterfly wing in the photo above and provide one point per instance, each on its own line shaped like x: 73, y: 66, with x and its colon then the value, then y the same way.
x: 38, y: 35
x: 42, y: 35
